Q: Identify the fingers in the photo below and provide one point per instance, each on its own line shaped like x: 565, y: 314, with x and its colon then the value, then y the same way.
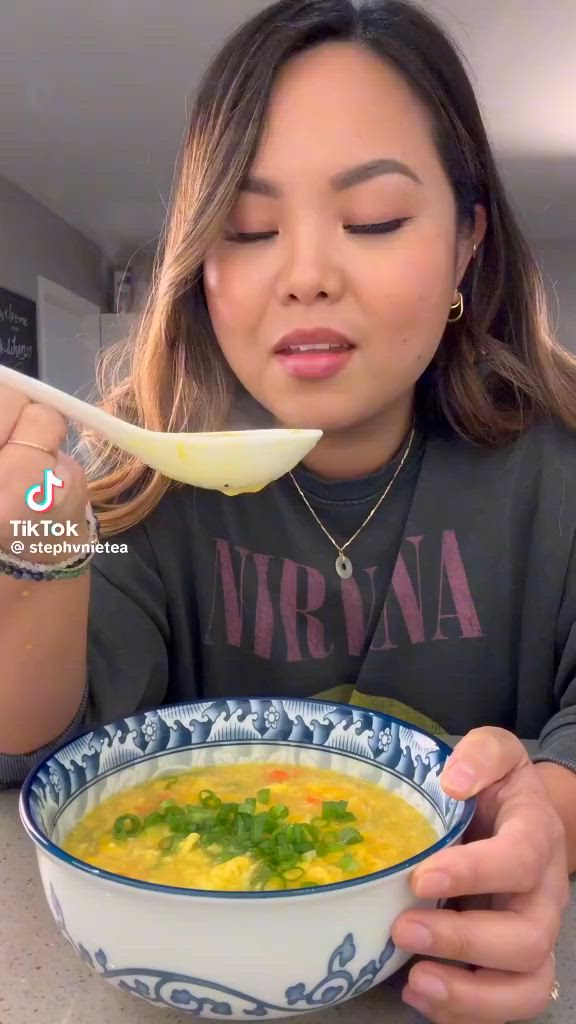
x: 521, y: 865
x: 72, y: 475
x: 450, y: 995
x: 498, y: 939
x: 11, y: 405
x: 513, y: 861
x: 22, y: 466
x: 41, y: 425
x: 36, y: 424
x: 483, y: 757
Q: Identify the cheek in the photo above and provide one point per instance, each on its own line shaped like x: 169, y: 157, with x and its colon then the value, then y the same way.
x: 232, y: 297
x: 411, y: 296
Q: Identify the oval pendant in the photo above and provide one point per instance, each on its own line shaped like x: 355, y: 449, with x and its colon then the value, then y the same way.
x: 343, y: 567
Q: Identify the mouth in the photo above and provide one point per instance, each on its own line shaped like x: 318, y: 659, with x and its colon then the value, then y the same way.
x: 313, y: 354
x: 318, y: 339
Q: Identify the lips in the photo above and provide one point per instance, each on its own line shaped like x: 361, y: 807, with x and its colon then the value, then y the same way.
x: 317, y: 339
x: 315, y: 354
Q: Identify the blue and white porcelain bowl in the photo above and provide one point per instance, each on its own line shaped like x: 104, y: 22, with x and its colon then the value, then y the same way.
x: 227, y: 955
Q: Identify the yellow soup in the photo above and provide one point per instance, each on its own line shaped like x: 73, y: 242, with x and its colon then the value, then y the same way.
x: 250, y: 826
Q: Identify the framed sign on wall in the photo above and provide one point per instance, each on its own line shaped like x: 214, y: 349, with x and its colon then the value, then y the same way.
x: 18, y: 337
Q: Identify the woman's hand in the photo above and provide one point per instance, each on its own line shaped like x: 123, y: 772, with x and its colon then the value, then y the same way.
x: 514, y: 856
x: 39, y: 431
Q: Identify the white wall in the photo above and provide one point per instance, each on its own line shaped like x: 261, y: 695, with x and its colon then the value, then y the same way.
x: 34, y: 241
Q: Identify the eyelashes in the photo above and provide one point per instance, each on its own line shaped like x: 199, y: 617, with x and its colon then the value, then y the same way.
x: 245, y: 236
x: 382, y: 228
x: 386, y: 227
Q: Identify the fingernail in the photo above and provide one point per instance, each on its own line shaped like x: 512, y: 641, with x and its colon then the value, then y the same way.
x: 431, y: 884
x: 429, y: 985
x: 459, y: 776
x: 415, y: 936
x: 417, y: 1002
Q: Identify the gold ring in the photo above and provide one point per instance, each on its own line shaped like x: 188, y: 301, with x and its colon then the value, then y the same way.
x: 31, y: 444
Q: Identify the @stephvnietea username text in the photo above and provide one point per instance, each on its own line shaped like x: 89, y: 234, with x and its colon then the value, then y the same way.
x: 54, y: 538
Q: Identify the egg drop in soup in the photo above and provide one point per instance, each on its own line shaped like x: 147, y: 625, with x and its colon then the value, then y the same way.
x: 250, y: 826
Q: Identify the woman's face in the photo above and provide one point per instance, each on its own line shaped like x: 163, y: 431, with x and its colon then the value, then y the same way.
x: 314, y: 266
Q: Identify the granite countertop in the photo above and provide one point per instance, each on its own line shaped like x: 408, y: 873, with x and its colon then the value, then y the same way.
x: 42, y: 981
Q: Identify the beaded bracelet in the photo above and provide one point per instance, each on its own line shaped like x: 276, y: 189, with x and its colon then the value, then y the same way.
x: 11, y: 565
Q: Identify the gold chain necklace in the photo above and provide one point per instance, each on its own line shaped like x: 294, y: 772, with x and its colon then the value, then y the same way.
x: 343, y: 564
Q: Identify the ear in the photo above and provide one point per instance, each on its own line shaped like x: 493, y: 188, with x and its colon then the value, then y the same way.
x: 466, y: 243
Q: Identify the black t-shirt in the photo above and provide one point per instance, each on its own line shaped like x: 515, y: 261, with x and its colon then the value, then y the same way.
x: 460, y: 611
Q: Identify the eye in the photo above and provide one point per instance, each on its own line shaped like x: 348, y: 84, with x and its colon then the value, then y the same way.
x: 382, y: 228
x: 249, y: 236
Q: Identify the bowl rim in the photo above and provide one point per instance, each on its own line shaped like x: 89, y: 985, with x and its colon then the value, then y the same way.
x: 51, y: 848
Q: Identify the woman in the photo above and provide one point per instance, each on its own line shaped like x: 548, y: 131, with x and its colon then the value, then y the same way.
x: 340, y: 254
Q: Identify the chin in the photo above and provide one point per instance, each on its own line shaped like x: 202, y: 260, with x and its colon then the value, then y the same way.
x: 315, y: 417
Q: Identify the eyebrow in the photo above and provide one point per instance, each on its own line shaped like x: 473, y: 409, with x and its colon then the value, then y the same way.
x: 340, y: 181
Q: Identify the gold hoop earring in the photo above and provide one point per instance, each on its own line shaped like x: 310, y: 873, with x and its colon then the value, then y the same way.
x: 457, y: 307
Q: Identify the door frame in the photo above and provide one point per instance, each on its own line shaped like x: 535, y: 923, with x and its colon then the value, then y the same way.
x: 50, y: 292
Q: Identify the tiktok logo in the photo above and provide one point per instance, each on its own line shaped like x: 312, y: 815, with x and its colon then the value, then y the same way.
x: 40, y: 497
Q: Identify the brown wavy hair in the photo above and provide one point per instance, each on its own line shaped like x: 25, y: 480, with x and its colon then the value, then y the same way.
x: 496, y: 369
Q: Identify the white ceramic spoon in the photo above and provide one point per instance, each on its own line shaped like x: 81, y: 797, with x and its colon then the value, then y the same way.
x: 233, y: 461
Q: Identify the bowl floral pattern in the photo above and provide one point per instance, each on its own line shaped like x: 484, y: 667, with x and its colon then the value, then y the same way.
x: 338, y: 937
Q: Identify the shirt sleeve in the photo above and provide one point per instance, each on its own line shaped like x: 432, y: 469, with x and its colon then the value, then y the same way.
x: 128, y: 634
x: 128, y: 644
x: 558, y: 738
x: 15, y: 767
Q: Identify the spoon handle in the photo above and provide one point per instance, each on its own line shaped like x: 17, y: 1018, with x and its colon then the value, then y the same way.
x: 108, y: 426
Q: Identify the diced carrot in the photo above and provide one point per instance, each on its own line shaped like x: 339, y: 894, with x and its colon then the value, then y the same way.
x: 313, y: 799
x: 277, y: 775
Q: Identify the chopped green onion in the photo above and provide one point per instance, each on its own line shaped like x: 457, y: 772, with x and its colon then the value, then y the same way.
x: 169, y: 843
x: 258, y: 822
x: 323, y: 849
x: 348, y: 863
x: 287, y: 863
x: 329, y: 837
x: 307, y: 833
x: 227, y: 830
x: 229, y: 854
x: 178, y: 821
x: 170, y: 781
x: 209, y: 799
x: 305, y: 847
x: 278, y: 811
x: 275, y: 882
x: 154, y: 818
x: 336, y: 810
x: 260, y: 876
x: 348, y: 836
x: 166, y: 804
x: 293, y: 874
x: 126, y: 826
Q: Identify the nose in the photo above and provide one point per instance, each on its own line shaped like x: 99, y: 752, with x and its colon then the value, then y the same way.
x: 309, y: 272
